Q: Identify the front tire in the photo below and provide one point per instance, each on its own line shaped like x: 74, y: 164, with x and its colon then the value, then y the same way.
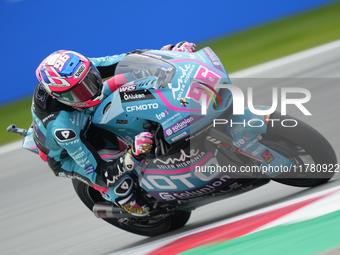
x: 303, y: 145
x: 146, y: 227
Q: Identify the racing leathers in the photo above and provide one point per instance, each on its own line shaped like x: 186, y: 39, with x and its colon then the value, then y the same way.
x: 69, y: 144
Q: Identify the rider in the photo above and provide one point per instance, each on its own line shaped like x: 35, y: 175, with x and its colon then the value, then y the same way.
x: 69, y: 90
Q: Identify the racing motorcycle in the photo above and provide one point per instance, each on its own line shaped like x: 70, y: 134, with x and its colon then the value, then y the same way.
x: 194, y: 160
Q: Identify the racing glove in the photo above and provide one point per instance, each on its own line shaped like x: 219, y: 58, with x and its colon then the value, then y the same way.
x: 168, y: 47
x: 142, y: 144
x: 185, y: 46
x: 110, y: 173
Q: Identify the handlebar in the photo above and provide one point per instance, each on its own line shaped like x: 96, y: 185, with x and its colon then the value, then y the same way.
x: 13, y: 129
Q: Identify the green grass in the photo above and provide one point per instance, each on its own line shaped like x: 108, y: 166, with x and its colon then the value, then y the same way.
x: 19, y: 113
x: 237, y: 51
x: 278, y: 39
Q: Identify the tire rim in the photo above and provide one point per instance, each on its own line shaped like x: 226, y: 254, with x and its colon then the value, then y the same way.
x: 296, y: 154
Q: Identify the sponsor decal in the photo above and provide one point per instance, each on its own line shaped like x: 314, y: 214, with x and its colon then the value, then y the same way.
x: 48, y: 117
x: 72, y: 142
x: 189, y: 179
x: 128, y: 88
x: 173, y: 118
x: 77, y: 104
x: 73, y: 119
x: 184, y: 103
x: 142, y: 107
x: 251, y: 143
x: 198, y: 192
x: 65, y: 134
x: 267, y: 156
x: 198, y: 133
x: 115, y: 178
x: 80, y: 158
x: 83, y: 162
x: 136, y: 96
x: 182, y: 80
x: 179, y: 136
x: 80, y: 155
x: 78, y: 177
x: 241, y: 141
x: 122, y: 122
x: 168, y: 132
x: 183, y: 123
x: 77, y: 151
x: 162, y: 115
x: 60, y: 62
x: 80, y: 71
x: 203, y: 90
x: 258, y: 150
x: 213, y: 59
x: 124, y: 187
x: 181, y: 161
x: 89, y: 169
x: 157, y: 55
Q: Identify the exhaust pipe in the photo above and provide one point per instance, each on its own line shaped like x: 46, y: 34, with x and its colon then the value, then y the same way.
x: 105, y: 211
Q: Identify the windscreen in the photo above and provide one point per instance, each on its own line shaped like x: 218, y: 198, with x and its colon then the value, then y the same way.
x: 137, y: 66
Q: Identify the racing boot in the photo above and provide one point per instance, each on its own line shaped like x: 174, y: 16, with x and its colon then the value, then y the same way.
x: 135, y: 205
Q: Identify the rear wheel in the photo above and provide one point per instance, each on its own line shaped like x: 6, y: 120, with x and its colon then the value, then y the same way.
x: 179, y: 220
x: 312, y: 154
x: 139, y: 226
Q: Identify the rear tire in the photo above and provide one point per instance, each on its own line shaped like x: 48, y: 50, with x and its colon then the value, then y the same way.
x: 303, y: 145
x: 89, y: 196
x: 179, y: 220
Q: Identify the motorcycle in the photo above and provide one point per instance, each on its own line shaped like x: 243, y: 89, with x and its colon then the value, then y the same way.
x: 193, y: 162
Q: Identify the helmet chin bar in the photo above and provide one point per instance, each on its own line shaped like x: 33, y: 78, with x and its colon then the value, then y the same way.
x: 81, y: 105
x: 99, y: 98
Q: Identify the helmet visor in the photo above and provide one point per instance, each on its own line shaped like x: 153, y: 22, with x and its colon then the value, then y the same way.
x: 89, y: 87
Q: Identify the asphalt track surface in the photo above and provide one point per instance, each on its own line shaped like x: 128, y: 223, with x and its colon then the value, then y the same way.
x: 41, y: 214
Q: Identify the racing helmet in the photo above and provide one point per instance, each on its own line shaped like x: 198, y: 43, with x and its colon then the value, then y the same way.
x: 71, y: 78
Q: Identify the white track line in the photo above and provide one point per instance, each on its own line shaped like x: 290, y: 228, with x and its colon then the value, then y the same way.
x: 244, y: 73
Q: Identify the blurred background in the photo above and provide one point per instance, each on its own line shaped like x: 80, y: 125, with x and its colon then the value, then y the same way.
x: 242, y: 33
x: 41, y: 214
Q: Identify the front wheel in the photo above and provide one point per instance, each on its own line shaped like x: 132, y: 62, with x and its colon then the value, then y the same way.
x: 146, y: 227
x: 307, y: 148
